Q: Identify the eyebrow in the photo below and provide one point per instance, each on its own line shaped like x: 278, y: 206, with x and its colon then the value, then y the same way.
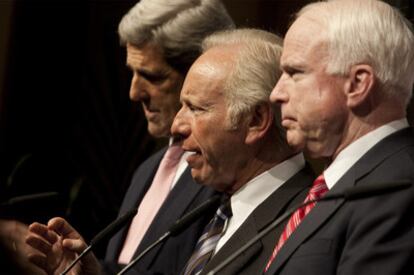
x: 197, y: 102
x: 145, y: 71
x: 292, y: 66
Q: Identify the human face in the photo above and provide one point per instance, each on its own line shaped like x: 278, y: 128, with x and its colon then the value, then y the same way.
x: 313, y: 102
x: 156, y: 85
x: 219, y: 152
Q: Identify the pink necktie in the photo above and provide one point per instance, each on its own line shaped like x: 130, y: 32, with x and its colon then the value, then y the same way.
x: 317, y: 191
x: 151, y: 202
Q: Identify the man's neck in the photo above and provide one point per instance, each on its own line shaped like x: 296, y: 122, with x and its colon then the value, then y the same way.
x: 266, y: 158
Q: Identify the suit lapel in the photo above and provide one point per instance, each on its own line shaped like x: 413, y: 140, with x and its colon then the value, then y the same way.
x: 323, y: 211
x: 262, y: 216
x: 319, y: 214
x: 174, y: 207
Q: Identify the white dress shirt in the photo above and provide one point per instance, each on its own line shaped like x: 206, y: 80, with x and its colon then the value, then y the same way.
x: 253, y: 193
x: 353, y: 152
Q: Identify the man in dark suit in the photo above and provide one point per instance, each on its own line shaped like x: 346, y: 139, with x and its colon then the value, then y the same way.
x: 238, y: 147
x: 347, y: 79
x: 162, y: 39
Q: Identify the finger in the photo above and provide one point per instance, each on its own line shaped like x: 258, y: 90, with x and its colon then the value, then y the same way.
x: 43, y: 231
x: 63, y: 228
x: 76, y: 245
x: 38, y: 243
x: 39, y: 260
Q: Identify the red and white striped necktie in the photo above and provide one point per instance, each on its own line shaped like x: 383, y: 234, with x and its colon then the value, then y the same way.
x: 317, y: 191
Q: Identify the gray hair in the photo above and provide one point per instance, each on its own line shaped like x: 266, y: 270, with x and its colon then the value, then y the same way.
x: 370, y: 32
x: 177, y: 26
x: 256, y: 71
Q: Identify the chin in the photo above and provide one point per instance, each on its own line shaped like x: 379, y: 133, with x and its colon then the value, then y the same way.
x: 157, y: 132
x: 295, y: 144
x: 295, y: 139
x: 196, y: 176
x: 201, y: 179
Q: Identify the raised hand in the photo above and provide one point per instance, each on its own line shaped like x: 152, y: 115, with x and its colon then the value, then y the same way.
x: 12, y: 244
x: 57, y: 244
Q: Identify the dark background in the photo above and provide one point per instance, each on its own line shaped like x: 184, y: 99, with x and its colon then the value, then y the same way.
x: 66, y: 122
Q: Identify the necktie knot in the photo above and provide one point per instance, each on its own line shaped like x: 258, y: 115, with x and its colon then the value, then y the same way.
x: 174, y: 152
x: 208, y: 241
x: 224, y: 211
x: 317, y: 191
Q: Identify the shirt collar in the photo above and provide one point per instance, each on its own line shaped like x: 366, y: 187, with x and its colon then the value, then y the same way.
x: 253, y: 193
x: 353, y: 152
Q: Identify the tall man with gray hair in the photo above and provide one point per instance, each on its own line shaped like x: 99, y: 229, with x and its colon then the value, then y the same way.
x: 162, y: 39
x: 238, y: 147
x: 348, y: 73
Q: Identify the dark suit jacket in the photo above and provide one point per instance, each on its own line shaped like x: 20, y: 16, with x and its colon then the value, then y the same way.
x: 367, y: 236
x: 171, y: 256
x: 254, y: 260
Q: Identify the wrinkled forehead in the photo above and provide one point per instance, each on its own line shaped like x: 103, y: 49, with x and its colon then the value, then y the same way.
x: 212, y: 67
x: 144, y: 55
x: 219, y: 60
x: 307, y: 37
x: 309, y: 27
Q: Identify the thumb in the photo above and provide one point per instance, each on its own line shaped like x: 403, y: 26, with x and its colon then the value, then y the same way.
x: 75, y: 245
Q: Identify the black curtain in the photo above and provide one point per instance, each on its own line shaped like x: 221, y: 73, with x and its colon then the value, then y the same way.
x: 67, y: 123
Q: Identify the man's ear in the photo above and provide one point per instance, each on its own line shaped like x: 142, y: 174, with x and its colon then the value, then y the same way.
x: 360, y: 85
x: 261, y: 119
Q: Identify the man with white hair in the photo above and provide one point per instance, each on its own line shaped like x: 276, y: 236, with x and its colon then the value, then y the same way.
x: 348, y: 73
x: 238, y: 147
x: 162, y: 39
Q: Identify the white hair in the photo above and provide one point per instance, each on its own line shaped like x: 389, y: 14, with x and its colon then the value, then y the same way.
x: 255, y: 72
x: 177, y: 26
x: 369, y: 32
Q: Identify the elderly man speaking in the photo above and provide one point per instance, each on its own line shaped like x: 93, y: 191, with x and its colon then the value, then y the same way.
x: 238, y: 147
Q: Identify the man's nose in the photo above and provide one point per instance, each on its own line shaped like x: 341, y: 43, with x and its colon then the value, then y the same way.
x: 278, y: 94
x: 137, y: 90
x: 180, y: 126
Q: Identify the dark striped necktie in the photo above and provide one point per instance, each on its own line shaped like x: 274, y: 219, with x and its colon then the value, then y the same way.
x: 208, y: 241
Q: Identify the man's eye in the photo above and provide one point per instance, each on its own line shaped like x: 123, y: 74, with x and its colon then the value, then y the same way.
x: 155, y: 78
x: 292, y: 72
x: 194, y: 108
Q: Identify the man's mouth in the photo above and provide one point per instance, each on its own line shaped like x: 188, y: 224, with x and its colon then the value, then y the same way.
x: 148, y: 108
x: 150, y: 112
x: 287, y: 120
x: 193, y: 152
x: 193, y: 156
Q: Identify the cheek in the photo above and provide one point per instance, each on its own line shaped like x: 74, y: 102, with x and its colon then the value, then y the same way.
x: 170, y: 88
x: 307, y: 111
x: 205, y: 172
x: 170, y: 104
x: 323, y: 117
x: 314, y: 103
x: 209, y: 148
x: 213, y: 150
